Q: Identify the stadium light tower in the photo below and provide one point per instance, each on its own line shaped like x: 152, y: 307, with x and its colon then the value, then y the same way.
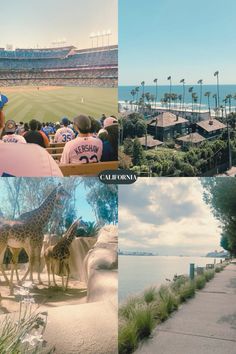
x: 104, y: 33
x: 92, y: 36
x: 108, y: 37
x: 98, y: 36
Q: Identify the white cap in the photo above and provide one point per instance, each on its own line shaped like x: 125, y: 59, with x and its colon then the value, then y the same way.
x: 110, y: 121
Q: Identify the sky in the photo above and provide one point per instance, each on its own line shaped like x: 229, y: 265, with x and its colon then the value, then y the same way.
x: 83, y: 209
x: 167, y: 216
x: 184, y: 39
x: 26, y: 24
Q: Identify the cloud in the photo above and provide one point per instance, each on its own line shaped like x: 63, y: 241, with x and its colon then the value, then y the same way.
x: 166, y: 213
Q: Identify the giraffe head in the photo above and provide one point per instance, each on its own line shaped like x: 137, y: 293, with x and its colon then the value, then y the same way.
x: 72, y: 231
x: 61, y: 194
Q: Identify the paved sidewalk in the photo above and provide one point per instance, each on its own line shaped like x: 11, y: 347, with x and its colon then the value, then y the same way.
x: 204, y: 325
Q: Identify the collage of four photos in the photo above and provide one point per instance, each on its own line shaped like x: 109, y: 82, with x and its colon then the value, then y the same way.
x: 117, y: 166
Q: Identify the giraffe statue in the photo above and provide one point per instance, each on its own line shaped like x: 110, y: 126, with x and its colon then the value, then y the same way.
x: 27, y: 233
x: 60, y: 254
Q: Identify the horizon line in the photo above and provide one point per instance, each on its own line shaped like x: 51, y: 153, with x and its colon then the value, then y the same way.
x: 186, y: 84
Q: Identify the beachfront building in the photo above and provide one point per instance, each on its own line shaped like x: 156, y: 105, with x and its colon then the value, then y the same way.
x: 192, y: 139
x: 210, y: 129
x: 150, y: 143
x: 192, y: 116
x: 167, y: 126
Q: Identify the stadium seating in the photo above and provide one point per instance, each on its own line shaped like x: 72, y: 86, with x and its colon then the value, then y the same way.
x: 52, y: 53
x: 26, y: 60
x: 62, y: 66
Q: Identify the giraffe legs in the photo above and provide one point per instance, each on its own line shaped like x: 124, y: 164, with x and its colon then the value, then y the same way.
x: 53, y: 272
x: 48, y: 265
x: 34, y: 259
x: 2, y: 252
x: 14, y: 263
x: 68, y: 274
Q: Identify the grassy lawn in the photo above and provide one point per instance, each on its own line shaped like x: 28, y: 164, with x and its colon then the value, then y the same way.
x: 53, y: 103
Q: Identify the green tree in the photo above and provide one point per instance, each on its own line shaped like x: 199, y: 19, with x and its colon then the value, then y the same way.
x: 220, y: 194
x: 128, y: 146
x: 104, y: 200
x: 224, y: 242
x: 138, y: 154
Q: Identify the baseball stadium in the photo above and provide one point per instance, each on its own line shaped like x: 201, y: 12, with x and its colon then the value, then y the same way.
x: 49, y: 83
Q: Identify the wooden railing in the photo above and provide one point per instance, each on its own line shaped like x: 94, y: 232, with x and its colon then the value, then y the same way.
x: 87, y: 169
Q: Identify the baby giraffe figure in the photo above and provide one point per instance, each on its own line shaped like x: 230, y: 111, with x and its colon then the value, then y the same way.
x: 60, y: 254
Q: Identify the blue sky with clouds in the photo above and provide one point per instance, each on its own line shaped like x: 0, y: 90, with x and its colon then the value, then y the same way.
x: 27, y: 23
x: 190, y: 39
x: 167, y: 216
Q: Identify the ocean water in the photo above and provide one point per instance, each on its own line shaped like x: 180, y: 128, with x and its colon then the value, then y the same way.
x: 124, y: 92
x: 137, y: 273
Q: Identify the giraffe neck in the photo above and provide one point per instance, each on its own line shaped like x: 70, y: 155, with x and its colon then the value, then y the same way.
x: 40, y: 216
x: 70, y: 238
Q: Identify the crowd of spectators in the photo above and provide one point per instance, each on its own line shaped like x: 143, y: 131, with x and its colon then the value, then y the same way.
x: 41, y: 60
x: 87, y: 78
x: 86, y: 140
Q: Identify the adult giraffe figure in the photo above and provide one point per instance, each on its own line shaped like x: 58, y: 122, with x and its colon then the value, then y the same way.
x: 27, y: 233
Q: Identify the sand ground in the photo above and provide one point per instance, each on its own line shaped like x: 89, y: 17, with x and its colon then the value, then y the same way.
x: 45, y: 297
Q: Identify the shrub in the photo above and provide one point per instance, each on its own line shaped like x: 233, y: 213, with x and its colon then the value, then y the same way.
x: 128, y: 308
x: 219, y: 268
x: 186, y: 290
x: 159, y: 310
x: 200, y: 282
x: 169, y: 298
x: 144, y: 321
x: 178, y: 282
x: 128, y: 338
x: 150, y: 295
x: 209, y: 274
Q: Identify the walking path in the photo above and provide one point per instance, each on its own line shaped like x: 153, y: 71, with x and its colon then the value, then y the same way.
x: 204, y: 325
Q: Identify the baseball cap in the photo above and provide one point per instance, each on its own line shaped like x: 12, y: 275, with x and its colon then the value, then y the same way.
x: 10, y: 126
x: 65, y: 121
x: 83, y: 122
x: 110, y: 121
x: 27, y: 160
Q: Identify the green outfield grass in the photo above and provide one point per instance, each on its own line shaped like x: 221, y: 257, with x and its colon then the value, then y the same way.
x: 53, y: 103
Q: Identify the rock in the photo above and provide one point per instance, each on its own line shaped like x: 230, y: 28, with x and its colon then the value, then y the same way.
x: 91, y: 328
x: 101, y: 264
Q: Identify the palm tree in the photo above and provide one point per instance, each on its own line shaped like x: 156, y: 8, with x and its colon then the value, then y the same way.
x: 225, y: 100
x: 215, y: 97
x: 222, y: 111
x: 229, y: 97
x: 208, y: 94
x: 143, y: 94
x: 170, y: 79
x: 137, y: 92
x: 155, y: 82
x: 190, y: 90
x: 194, y: 99
x: 180, y: 97
x: 133, y: 93
x: 200, y: 103
x: 183, y: 82
x: 147, y: 96
x: 218, y: 87
x: 174, y: 98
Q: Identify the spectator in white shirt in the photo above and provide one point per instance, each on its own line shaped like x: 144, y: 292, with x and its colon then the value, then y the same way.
x: 84, y: 148
x: 9, y: 135
x: 64, y: 134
